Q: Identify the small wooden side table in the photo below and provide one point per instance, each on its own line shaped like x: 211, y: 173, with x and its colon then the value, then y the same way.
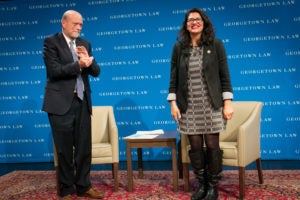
x: 167, y: 139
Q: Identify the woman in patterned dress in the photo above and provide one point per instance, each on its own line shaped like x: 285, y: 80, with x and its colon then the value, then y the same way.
x: 200, y: 95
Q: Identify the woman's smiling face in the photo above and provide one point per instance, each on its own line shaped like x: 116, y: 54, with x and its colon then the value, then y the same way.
x: 194, y: 23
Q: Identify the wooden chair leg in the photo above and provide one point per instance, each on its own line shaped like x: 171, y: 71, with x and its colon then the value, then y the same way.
x: 115, y: 176
x: 179, y: 160
x: 259, y: 169
x: 57, y: 181
x: 186, y: 178
x: 242, y: 182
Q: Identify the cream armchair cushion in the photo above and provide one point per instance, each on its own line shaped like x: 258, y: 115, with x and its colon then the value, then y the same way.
x: 240, y: 142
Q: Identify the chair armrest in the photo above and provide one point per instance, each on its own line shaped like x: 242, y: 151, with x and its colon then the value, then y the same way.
x: 249, y: 137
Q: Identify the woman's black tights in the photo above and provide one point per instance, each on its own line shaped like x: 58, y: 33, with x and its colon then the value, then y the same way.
x: 211, y: 141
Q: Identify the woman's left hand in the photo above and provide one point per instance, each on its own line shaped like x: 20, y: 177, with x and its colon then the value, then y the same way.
x: 227, y: 110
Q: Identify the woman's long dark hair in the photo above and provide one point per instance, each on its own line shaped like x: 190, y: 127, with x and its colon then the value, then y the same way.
x: 208, y: 33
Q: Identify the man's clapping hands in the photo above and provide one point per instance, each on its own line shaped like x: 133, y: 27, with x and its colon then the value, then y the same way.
x: 84, y: 59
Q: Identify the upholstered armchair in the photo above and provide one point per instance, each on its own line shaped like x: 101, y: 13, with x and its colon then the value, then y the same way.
x: 105, y: 141
x: 240, y: 143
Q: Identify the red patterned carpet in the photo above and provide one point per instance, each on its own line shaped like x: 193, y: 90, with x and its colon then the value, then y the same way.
x: 156, y: 185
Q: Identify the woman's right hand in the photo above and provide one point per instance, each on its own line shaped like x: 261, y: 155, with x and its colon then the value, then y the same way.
x: 175, y: 112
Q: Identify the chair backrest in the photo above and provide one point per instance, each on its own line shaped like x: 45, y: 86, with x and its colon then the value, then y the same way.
x: 242, y: 111
x: 102, y: 119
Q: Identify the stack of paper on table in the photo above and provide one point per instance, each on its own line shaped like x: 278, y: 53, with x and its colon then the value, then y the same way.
x: 146, y: 134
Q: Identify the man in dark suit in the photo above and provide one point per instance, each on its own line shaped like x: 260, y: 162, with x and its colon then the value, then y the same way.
x: 69, y: 61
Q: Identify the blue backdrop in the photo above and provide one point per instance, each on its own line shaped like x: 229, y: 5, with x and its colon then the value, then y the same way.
x: 132, y: 42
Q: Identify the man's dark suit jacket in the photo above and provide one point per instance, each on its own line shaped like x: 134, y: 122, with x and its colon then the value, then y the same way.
x: 62, y: 72
x: 215, y: 70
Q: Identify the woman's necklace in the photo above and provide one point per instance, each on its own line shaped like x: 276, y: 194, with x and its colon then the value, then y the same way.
x: 195, y: 50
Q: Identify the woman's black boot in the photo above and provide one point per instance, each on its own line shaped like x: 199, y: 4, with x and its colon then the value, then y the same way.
x: 198, y: 163
x: 214, y: 163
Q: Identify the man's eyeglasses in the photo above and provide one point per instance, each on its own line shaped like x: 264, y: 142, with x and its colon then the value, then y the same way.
x: 190, y: 20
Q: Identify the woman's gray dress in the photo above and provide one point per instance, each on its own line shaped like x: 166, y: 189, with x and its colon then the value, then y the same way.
x: 200, y: 117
